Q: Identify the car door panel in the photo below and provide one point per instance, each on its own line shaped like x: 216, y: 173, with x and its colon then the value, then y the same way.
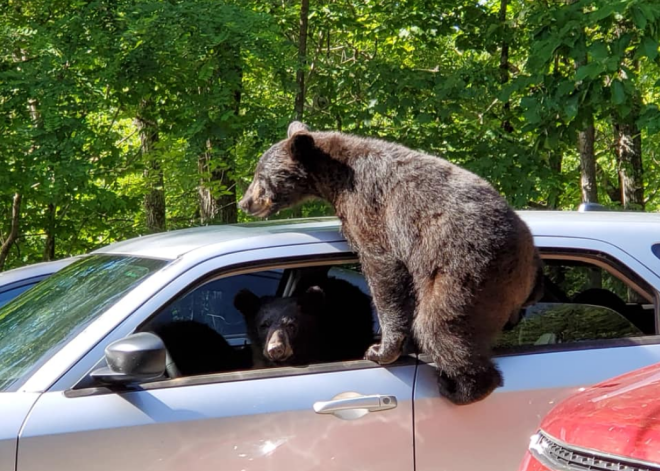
x: 14, y: 408
x: 265, y: 424
x: 496, y: 430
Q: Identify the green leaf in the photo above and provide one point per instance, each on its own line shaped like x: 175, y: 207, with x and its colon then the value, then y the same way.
x: 599, y: 51
x: 206, y: 71
x: 571, y: 108
x: 591, y: 70
x: 604, y: 11
x: 424, y: 118
x: 618, y: 93
x: 649, y: 47
x: 638, y: 17
x: 566, y: 87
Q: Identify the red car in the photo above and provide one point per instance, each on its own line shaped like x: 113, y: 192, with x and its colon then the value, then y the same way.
x: 614, y: 425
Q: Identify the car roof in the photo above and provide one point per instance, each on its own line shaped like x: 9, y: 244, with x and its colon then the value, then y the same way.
x: 609, y: 226
x: 173, y: 244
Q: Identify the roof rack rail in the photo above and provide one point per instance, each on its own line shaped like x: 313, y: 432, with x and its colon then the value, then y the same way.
x: 586, y: 207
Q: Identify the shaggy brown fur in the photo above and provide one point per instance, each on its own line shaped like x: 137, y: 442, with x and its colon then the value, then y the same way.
x: 445, y: 256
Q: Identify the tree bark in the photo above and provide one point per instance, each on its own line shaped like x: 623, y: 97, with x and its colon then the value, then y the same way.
x: 628, y: 138
x: 629, y: 162
x: 154, y: 199
x: 49, y: 249
x: 504, y: 67
x: 13, y: 231
x: 588, y: 182
x: 586, y: 140
x: 299, y: 104
x: 216, y: 209
x: 217, y: 187
x: 555, y: 162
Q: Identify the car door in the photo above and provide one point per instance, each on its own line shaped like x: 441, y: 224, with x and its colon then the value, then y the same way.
x: 279, y: 418
x: 496, y: 431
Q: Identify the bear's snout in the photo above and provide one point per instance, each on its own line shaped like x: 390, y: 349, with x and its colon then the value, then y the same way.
x: 245, y: 204
x: 254, y: 202
x: 278, y: 347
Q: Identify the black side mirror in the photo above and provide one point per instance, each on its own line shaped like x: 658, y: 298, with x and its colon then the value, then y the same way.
x: 135, y: 358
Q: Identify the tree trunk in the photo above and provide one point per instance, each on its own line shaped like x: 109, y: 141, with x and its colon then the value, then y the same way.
x: 217, y: 188
x: 628, y: 138
x: 13, y: 231
x: 586, y: 140
x: 588, y: 183
x: 154, y: 199
x: 504, y: 67
x: 216, y: 209
x: 555, y: 163
x: 629, y: 162
x: 299, y: 105
x: 49, y: 249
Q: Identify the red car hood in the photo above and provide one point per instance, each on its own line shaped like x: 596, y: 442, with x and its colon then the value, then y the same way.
x: 620, y: 416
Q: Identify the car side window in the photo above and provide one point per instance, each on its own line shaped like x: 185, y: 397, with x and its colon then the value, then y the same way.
x: 214, y: 328
x: 213, y: 303
x: 581, y: 302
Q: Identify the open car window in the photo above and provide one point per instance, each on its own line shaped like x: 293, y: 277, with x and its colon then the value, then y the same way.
x: 560, y: 323
x: 582, y: 302
x: 219, y: 324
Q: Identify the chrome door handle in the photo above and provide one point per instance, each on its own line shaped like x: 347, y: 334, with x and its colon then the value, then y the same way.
x: 374, y: 403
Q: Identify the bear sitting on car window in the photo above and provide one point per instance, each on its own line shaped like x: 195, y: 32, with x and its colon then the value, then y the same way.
x: 310, y: 326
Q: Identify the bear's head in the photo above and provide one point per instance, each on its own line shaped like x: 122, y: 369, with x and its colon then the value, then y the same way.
x: 282, y: 178
x: 284, y: 329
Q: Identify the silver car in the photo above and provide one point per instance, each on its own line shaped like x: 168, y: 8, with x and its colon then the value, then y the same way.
x: 85, y: 388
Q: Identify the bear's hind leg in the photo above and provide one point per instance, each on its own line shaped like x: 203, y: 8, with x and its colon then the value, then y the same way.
x: 466, y: 374
x: 468, y: 387
x: 393, y: 295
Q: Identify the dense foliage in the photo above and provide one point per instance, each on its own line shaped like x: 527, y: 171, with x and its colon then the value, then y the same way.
x: 123, y: 117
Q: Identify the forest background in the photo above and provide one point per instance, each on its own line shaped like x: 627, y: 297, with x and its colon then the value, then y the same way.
x: 127, y: 117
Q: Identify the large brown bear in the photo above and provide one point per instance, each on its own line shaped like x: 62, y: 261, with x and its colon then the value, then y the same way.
x: 445, y: 256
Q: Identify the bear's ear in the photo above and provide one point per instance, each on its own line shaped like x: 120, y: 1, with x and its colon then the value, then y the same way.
x: 311, y: 300
x: 301, y: 142
x: 247, y: 303
x: 296, y: 126
x: 302, y: 145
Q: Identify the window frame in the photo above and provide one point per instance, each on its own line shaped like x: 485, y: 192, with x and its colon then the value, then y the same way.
x: 614, y: 267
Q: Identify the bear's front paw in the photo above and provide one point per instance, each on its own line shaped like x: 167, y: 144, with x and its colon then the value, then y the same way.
x: 383, y: 357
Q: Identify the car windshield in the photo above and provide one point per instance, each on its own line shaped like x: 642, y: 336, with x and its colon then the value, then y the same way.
x: 34, y: 326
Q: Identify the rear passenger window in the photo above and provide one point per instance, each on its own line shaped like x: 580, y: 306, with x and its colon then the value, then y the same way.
x: 582, y: 302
